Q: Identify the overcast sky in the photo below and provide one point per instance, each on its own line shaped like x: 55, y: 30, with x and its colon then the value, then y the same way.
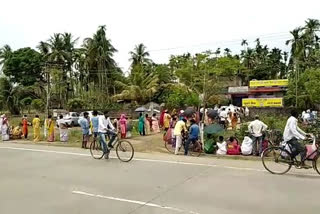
x: 165, y: 26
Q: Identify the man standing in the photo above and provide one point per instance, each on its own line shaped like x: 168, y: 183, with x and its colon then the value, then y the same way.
x: 256, y: 128
x: 36, y: 128
x: 193, y: 135
x: 223, y: 117
x: 178, y: 129
x: 85, y: 126
x: 292, y: 133
x: 106, y: 127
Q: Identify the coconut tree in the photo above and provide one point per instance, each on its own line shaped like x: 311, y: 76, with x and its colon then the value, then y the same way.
x: 139, y: 56
x: 5, y: 53
x: 141, y: 87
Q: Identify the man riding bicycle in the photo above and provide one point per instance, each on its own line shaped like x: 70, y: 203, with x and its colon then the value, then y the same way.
x: 292, y: 133
x: 106, y: 127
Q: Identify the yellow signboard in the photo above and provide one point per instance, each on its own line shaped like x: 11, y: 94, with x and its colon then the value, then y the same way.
x: 268, y: 83
x: 262, y: 102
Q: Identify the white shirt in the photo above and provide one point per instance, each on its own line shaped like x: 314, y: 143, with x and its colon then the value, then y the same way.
x: 246, y: 146
x: 222, y: 148
x: 223, y: 115
x: 256, y: 128
x: 104, y: 123
x: 292, y: 130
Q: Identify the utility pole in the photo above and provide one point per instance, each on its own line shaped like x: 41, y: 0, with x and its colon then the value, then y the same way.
x: 296, y: 78
x: 48, y: 89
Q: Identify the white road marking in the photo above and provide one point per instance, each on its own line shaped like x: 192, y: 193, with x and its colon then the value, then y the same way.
x: 132, y: 201
x: 149, y: 160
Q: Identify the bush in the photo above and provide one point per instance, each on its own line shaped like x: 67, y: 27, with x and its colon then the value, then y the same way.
x: 76, y: 104
x: 38, y: 105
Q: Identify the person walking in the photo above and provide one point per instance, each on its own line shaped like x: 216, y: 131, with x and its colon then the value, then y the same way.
x: 25, y: 127
x: 5, y: 128
x: 123, y: 126
x: 63, y: 129
x: 85, y: 126
x: 256, y: 129
x: 36, y: 128
x: 178, y: 131
x: 141, y: 125
x: 50, y: 125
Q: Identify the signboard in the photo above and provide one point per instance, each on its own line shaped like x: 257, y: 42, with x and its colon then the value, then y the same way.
x: 262, y: 102
x: 238, y: 90
x: 268, y: 83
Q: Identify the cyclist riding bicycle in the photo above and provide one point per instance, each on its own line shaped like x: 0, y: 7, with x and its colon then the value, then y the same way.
x: 292, y: 133
x: 193, y: 135
x: 106, y: 127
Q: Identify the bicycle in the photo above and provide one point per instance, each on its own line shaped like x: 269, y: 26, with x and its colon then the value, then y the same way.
x: 195, y: 148
x: 279, y: 159
x: 124, y: 149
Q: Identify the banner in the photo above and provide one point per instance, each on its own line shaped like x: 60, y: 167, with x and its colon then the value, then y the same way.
x: 262, y: 102
x: 268, y: 83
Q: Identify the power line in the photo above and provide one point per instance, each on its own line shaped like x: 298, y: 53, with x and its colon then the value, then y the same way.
x: 274, y: 36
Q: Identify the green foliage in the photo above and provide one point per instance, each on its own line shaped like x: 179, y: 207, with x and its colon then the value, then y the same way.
x: 38, y: 104
x: 24, y: 66
x: 10, y: 95
x: 180, y: 98
x: 76, y: 104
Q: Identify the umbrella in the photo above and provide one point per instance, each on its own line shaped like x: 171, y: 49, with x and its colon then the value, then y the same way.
x: 213, y: 114
x: 189, y: 112
x: 213, y: 129
x: 141, y: 109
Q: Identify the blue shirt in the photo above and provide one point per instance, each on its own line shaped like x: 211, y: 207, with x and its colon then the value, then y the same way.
x: 84, y: 123
x: 194, y: 131
x: 95, y: 123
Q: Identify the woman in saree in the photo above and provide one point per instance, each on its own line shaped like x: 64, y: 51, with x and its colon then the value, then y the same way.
x: 123, y: 126
x: 5, y: 128
x: 63, y: 129
x: 141, y: 125
x: 155, y: 124
x: 36, y: 128
x: 147, y: 124
x: 50, y: 126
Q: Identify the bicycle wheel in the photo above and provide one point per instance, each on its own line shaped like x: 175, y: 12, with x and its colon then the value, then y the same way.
x: 171, y: 145
x: 316, y: 164
x: 195, y: 149
x: 124, y: 151
x: 96, y: 150
x: 277, y: 160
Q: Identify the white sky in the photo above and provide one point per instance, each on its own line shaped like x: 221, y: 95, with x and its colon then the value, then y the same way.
x: 165, y: 26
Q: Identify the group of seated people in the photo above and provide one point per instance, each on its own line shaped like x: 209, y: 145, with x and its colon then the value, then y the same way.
x: 233, y: 147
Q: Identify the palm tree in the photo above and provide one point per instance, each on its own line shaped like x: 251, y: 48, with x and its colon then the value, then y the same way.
x: 140, y: 88
x: 217, y: 52
x: 139, y: 56
x: 227, y: 51
x: 5, y: 53
x: 244, y: 43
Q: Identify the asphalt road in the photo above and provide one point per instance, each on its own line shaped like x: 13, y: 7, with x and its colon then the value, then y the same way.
x: 45, y: 179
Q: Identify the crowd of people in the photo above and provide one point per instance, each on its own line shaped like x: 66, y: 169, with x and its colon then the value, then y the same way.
x: 180, y: 126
